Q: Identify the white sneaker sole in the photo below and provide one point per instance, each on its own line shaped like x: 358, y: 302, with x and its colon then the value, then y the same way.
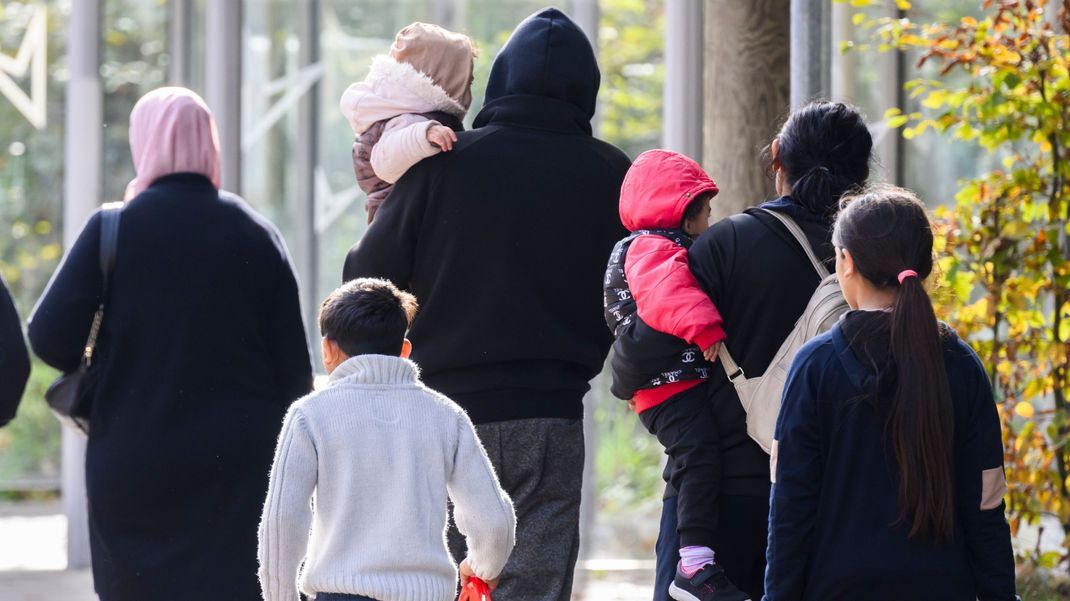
x: 680, y: 594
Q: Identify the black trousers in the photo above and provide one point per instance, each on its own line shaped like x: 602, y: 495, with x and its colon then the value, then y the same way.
x: 739, y: 540
x: 685, y: 425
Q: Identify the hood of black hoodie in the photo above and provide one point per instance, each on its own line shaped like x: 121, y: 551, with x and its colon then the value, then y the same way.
x: 548, y: 67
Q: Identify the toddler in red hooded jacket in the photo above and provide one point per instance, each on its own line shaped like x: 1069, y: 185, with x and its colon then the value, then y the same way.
x: 667, y: 333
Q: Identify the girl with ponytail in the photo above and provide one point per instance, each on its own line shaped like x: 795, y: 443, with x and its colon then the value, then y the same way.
x: 888, y: 460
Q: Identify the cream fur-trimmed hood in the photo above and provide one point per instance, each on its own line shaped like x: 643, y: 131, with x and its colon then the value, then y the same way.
x: 394, y: 88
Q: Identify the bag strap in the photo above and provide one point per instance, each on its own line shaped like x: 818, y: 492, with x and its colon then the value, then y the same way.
x: 109, y: 238
x: 109, y: 243
x: 731, y: 368
x: 804, y: 242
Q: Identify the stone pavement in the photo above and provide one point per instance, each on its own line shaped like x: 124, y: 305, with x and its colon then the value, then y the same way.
x: 32, y: 569
x: 77, y: 585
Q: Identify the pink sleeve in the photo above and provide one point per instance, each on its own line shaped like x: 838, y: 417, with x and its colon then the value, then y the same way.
x: 402, y: 145
x: 667, y: 296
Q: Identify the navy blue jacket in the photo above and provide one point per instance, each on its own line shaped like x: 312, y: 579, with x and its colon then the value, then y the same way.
x: 14, y: 361
x: 835, y: 495
x: 504, y: 240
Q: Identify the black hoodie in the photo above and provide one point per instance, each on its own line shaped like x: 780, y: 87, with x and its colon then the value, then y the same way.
x: 504, y: 240
x: 14, y: 360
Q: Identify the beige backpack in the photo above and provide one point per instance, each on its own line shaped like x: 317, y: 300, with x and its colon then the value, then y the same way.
x: 760, y: 396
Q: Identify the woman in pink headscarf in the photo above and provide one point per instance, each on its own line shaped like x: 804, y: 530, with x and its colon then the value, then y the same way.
x: 201, y: 350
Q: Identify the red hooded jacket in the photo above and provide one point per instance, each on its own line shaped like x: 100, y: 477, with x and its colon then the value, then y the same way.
x: 656, y: 191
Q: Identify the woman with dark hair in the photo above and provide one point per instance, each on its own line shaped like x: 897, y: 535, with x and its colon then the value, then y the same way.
x: 201, y: 351
x: 760, y: 278
x: 888, y: 457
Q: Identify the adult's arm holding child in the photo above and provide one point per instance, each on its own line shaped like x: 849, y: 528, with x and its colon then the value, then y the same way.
x: 483, y: 511
x: 287, y: 515
x: 667, y: 295
x: 404, y: 142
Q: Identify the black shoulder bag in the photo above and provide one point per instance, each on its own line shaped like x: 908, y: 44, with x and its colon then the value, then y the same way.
x: 71, y: 396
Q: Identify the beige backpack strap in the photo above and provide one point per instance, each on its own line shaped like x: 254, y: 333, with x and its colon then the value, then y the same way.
x: 800, y: 237
x: 731, y: 368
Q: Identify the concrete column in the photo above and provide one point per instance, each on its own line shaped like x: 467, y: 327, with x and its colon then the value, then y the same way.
x: 844, y: 72
x: 811, y: 45
x: 82, y: 192
x: 682, y: 95
x: 747, y: 78
x: 306, y: 152
x: 178, y: 42
x: 586, y: 14
x: 223, y: 83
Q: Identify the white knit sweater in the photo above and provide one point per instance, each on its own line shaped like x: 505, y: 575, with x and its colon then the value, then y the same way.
x: 378, y: 452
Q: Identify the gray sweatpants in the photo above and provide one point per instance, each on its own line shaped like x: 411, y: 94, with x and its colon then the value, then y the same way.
x: 540, y: 464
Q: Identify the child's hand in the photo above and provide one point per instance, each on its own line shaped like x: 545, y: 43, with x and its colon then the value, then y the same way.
x: 711, y: 353
x: 466, y: 573
x: 441, y: 136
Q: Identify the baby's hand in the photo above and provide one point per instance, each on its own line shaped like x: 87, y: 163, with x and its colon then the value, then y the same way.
x: 441, y: 136
x: 711, y: 353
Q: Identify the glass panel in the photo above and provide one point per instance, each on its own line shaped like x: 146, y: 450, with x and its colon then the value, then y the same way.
x: 134, y: 62
x: 31, y: 196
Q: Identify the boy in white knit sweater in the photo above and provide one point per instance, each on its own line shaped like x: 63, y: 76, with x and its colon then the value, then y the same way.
x: 376, y: 453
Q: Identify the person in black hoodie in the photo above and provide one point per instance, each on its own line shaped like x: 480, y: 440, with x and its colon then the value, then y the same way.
x: 14, y: 360
x: 504, y: 241
x: 760, y: 279
x: 888, y: 477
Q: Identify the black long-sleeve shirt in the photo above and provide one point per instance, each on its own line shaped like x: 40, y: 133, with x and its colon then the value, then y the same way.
x: 835, y: 496
x: 14, y: 361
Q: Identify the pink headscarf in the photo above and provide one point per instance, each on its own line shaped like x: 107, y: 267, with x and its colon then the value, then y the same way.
x: 172, y: 131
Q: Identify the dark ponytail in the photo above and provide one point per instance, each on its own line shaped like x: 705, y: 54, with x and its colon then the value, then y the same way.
x: 889, y: 236
x: 824, y: 149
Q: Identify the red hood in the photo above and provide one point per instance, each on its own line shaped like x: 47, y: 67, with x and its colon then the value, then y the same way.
x: 657, y: 189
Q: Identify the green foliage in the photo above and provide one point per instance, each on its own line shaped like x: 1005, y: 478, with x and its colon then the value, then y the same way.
x: 630, y: 46
x: 630, y: 42
x: 31, y: 183
x: 1003, y: 247
x: 29, y: 445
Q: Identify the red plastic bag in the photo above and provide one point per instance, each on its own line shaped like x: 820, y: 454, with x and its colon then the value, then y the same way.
x: 475, y: 590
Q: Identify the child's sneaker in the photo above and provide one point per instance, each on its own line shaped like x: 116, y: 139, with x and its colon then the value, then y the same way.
x: 708, y: 584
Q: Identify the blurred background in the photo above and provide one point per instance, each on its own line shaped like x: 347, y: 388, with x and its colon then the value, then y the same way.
x: 675, y: 73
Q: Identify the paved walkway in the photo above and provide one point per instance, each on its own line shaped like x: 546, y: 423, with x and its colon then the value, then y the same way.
x: 32, y: 569
x: 77, y: 585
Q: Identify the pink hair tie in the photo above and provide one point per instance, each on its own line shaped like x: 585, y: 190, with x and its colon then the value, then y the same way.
x: 907, y: 273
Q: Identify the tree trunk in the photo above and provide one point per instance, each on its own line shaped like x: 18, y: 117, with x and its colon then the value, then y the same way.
x: 747, y: 87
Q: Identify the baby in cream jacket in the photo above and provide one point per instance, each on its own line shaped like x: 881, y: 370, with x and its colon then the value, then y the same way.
x: 409, y: 106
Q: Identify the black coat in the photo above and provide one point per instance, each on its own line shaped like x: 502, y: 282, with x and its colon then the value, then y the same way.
x: 203, y: 349
x: 759, y: 278
x: 504, y: 240
x: 14, y: 361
